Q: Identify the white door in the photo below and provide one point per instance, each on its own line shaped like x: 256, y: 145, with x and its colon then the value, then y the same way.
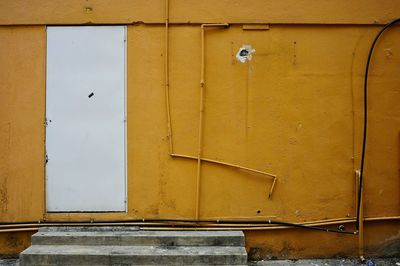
x: 85, y: 114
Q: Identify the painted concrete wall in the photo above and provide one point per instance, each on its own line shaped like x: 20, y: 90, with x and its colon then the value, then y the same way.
x: 294, y: 110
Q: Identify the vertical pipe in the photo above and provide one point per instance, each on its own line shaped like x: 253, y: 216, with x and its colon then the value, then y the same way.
x: 166, y: 69
x: 201, y: 110
x: 168, y: 109
x: 45, y: 128
x: 360, y: 221
x: 356, y: 174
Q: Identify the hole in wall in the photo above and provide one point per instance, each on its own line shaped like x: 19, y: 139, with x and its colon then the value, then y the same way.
x: 245, y: 53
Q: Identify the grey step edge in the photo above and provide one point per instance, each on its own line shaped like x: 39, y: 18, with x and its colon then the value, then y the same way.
x: 132, y: 255
x: 140, y: 238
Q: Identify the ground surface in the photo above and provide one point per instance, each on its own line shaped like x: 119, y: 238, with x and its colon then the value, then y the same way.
x: 315, y: 262
x: 329, y: 262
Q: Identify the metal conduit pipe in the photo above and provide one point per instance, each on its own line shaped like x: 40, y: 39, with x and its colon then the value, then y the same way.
x: 166, y: 70
x: 195, y: 223
x: 244, y: 224
x: 135, y: 222
x: 199, y: 158
x: 201, y: 111
x: 176, y: 224
x: 162, y: 221
x: 274, y: 178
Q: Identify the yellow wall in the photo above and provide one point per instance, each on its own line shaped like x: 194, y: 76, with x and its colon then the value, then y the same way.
x: 22, y: 94
x: 295, y: 111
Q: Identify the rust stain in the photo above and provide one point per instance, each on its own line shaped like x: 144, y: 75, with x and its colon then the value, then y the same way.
x: 4, y: 155
x: 13, y: 241
x: 3, y: 196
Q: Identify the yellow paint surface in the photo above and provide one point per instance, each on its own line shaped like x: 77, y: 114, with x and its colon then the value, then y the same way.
x: 22, y: 94
x: 192, y: 11
x: 294, y: 110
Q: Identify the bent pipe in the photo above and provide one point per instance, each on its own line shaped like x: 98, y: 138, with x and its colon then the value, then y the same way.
x: 198, y: 221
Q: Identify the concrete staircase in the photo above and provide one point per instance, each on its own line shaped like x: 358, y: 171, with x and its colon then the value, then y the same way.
x: 131, y: 246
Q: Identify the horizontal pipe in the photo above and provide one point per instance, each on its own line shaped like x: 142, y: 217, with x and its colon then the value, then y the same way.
x: 33, y: 229
x: 198, y: 158
x: 66, y: 223
x: 205, y: 25
x: 197, y: 23
x: 191, y: 225
x: 223, y: 163
x: 242, y: 217
x: 33, y: 226
x: 164, y: 221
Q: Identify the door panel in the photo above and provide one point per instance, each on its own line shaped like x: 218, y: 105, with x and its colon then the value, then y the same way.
x: 85, y: 113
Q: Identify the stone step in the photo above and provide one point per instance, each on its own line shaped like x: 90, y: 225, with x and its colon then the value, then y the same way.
x: 132, y: 255
x: 136, y: 238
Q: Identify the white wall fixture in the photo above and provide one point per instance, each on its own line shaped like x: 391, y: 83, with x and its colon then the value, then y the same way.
x: 85, y: 115
x: 245, y: 53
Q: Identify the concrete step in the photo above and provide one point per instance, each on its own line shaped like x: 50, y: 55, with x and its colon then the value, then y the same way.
x: 132, y: 255
x: 132, y: 237
x: 131, y: 246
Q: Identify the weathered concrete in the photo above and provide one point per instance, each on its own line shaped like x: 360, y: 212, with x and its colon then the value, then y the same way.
x: 142, y: 238
x: 132, y: 255
x: 313, y: 262
x: 114, y: 246
x: 9, y: 262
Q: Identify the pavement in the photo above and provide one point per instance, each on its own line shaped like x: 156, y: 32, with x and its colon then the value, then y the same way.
x: 9, y: 262
x: 329, y: 262
x: 312, y: 262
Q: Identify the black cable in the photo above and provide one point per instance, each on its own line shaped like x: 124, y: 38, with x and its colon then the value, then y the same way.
x: 371, y: 50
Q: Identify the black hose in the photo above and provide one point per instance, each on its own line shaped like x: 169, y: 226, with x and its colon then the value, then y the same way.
x: 249, y: 223
x: 371, y: 50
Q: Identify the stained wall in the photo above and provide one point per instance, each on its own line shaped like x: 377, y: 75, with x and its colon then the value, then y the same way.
x: 294, y: 110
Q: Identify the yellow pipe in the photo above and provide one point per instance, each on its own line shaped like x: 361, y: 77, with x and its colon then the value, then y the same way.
x: 34, y: 227
x: 94, y: 223
x: 166, y: 68
x: 201, y: 111
x: 226, y: 164
x: 272, y: 188
x: 200, y: 144
x: 168, y: 111
x: 241, y: 217
x: 81, y: 224
x: 18, y: 230
x: 383, y: 218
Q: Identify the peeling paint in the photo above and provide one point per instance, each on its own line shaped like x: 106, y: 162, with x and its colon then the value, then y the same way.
x: 245, y: 53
